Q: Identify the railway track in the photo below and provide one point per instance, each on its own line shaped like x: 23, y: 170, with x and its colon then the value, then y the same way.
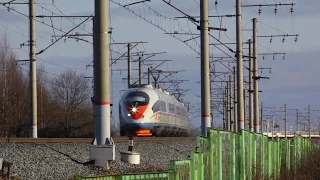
x: 88, y: 140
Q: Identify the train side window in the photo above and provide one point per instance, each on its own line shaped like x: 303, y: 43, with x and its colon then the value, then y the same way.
x: 171, y: 108
x: 178, y: 110
x: 182, y: 112
x: 156, y: 107
x: 163, y: 106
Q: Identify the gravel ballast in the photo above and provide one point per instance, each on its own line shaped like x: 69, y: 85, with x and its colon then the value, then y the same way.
x: 65, y: 160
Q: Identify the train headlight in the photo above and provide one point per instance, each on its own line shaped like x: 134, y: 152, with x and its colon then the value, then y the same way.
x: 134, y: 109
x: 129, y: 114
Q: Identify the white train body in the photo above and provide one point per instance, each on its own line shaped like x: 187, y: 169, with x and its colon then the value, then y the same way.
x: 147, y: 111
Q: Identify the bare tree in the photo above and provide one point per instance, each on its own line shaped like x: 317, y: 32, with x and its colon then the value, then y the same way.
x: 3, y: 66
x: 13, y: 87
x: 64, y: 107
x: 17, y: 101
x: 72, y: 94
x: 47, y: 118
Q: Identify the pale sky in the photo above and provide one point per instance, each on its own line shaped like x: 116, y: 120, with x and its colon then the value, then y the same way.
x: 292, y: 81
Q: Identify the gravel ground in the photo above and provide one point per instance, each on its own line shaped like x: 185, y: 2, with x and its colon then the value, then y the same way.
x: 64, y: 160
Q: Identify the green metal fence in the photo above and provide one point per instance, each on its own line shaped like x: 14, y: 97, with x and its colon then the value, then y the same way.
x: 229, y: 155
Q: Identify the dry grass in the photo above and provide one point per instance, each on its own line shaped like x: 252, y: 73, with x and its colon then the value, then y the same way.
x: 307, y: 169
x: 11, y: 178
x: 111, y: 171
x: 104, y: 172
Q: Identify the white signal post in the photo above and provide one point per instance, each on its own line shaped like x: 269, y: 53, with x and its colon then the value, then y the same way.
x: 33, y: 72
x: 205, y: 70
x: 102, y: 149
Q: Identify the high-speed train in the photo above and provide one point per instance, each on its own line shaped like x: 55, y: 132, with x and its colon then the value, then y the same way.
x: 149, y: 111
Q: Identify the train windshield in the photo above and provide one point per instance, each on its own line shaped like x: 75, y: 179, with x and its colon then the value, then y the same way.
x: 137, y: 98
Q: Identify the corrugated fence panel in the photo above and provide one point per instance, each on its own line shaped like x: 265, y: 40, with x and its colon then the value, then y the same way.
x: 197, y: 165
x: 181, y: 168
x: 203, y: 144
x: 248, y: 154
x: 225, y: 155
x: 147, y: 176
x: 258, y: 165
x: 265, y: 156
x: 110, y: 177
x: 217, y: 155
x: 235, y: 164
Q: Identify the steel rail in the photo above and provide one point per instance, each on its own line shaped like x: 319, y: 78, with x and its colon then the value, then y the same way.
x: 88, y: 140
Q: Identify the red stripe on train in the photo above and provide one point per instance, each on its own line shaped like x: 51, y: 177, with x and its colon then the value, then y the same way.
x: 139, y: 111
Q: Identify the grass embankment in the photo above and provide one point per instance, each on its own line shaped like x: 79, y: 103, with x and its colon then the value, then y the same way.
x: 144, y: 169
x: 307, y: 169
x: 11, y: 178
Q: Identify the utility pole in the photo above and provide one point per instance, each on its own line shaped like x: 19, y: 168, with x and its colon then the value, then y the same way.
x: 102, y: 149
x: 251, y: 117
x: 297, y: 118
x: 297, y: 121
x: 211, y: 108
x: 230, y: 106
x: 235, y: 101
x: 92, y: 81
x: 244, y: 105
x: 129, y: 66
x: 272, y: 126
x: 225, y: 108
x: 255, y: 77
x: 205, y: 70
x: 263, y: 108
x: 261, y: 117
x: 309, y: 122
x: 267, y: 117
x: 140, y: 70
x: 309, y: 119
x: 129, y: 59
x: 149, y: 75
x: 239, y: 54
x: 285, y: 120
x: 33, y: 71
x: 41, y: 112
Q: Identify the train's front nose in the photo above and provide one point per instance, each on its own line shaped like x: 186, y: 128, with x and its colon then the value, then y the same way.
x: 137, y: 112
x: 136, y: 104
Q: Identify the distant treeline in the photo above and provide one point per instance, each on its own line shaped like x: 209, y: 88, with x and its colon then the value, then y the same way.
x: 64, y: 107
x: 64, y: 102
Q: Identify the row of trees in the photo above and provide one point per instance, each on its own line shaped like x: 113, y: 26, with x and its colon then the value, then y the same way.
x: 64, y: 102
